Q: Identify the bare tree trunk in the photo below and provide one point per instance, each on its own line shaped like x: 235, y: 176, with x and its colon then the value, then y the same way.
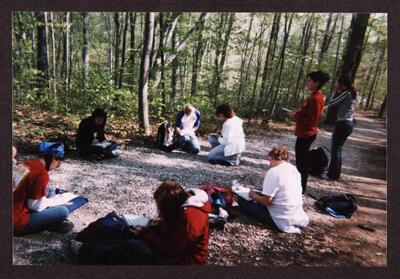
x: 175, y: 65
x: 116, y: 47
x: 42, y: 59
x: 337, y: 55
x: 85, y: 49
x: 197, y: 59
x: 352, y: 56
x: 121, y: 72
x: 109, y: 25
x: 132, y: 53
x: 144, y: 73
x: 327, y: 38
x: 269, y: 59
x: 53, y: 57
x: 162, y: 30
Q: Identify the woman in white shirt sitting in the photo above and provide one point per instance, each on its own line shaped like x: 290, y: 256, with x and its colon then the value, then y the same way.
x: 280, y: 203
x: 227, y: 148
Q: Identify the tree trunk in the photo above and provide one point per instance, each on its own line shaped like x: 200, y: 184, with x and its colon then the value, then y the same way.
x: 162, y: 30
x: 85, y: 49
x: 121, y: 72
x: 337, y: 56
x: 144, y: 73
x: 132, y: 52
x: 42, y: 61
x: 53, y: 57
x: 197, y: 59
x: 383, y: 107
x: 109, y: 26
x: 269, y: 59
x: 352, y: 56
x: 175, y: 65
x: 116, y: 47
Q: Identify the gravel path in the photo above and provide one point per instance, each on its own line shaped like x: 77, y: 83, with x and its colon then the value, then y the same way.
x: 126, y: 185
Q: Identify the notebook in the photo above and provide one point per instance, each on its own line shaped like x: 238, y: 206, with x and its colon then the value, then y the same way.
x: 135, y: 220
x: 103, y: 144
x: 243, y: 192
x: 19, y: 172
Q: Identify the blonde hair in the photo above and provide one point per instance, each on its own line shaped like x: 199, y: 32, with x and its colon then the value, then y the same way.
x: 279, y: 153
x: 188, y: 109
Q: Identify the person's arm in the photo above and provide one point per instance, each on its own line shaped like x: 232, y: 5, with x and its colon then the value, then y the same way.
x: 338, y: 100
x: 84, y: 136
x: 101, y: 136
x: 198, y: 121
x: 228, y: 134
x: 260, y: 198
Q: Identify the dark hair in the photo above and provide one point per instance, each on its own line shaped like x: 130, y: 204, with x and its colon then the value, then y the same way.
x: 319, y: 76
x: 346, y: 81
x: 99, y: 112
x: 48, y: 159
x: 225, y: 110
x: 169, y: 197
x: 279, y: 153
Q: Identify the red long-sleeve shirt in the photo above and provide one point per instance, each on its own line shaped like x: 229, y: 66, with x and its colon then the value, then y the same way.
x: 307, y: 118
x: 187, y: 241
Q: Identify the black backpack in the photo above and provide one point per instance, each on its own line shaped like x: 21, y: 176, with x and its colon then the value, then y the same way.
x: 161, y: 141
x: 339, y: 206
x: 317, y: 161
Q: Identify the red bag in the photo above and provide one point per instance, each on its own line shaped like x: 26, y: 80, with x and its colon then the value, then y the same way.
x: 215, y: 188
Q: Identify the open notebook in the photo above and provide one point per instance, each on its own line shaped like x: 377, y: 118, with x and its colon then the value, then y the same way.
x: 19, y: 172
x: 103, y: 144
x: 135, y: 220
x: 243, y: 191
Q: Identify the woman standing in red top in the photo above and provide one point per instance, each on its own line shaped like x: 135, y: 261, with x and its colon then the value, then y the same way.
x: 307, y: 121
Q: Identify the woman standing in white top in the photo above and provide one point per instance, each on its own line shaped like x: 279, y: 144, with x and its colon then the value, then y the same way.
x: 280, y: 203
x: 227, y: 148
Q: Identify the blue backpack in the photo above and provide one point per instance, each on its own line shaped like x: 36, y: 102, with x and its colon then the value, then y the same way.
x: 56, y: 148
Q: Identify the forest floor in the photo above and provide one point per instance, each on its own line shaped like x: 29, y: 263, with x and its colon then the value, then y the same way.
x: 126, y: 185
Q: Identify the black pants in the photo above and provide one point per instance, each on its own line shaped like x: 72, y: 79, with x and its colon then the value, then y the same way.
x: 92, y: 150
x: 303, y: 145
x: 123, y: 252
x: 257, y: 211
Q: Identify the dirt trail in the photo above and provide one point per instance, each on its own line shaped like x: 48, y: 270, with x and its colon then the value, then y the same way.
x: 126, y: 185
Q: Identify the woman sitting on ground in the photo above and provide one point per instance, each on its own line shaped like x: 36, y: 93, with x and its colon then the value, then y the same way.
x: 280, y: 203
x: 33, y: 208
x: 90, y: 137
x: 179, y: 237
x: 187, y: 123
x: 227, y: 149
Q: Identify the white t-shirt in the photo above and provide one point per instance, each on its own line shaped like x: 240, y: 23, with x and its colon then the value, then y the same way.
x: 188, y: 124
x: 283, y: 183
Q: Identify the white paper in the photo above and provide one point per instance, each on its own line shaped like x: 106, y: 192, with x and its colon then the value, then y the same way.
x: 135, y: 220
x: 103, y: 144
x: 242, y: 192
x: 19, y: 172
x: 287, y: 110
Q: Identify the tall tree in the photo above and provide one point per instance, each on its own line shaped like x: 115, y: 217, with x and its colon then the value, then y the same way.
x: 132, y: 51
x: 144, y: 73
x: 353, y: 52
x: 197, y: 58
x: 85, y: 51
x: 269, y: 59
x: 116, y: 47
x: 123, y: 52
x: 42, y: 61
x: 66, y: 52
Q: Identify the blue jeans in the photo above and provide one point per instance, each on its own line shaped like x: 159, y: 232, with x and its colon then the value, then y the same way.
x: 189, y: 143
x: 216, y: 154
x: 43, y: 220
x: 257, y: 211
x: 342, y: 130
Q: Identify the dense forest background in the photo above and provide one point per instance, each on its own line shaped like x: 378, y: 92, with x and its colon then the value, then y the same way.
x: 143, y: 67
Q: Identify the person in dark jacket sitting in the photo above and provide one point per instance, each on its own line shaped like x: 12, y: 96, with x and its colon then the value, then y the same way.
x: 179, y: 237
x: 187, y: 123
x: 90, y: 139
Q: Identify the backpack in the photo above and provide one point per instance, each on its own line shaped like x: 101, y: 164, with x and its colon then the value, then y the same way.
x: 55, y: 147
x: 109, y: 228
x: 339, y: 206
x: 162, y: 141
x: 317, y: 161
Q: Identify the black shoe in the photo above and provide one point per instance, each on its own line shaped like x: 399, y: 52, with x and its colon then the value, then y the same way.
x: 65, y: 226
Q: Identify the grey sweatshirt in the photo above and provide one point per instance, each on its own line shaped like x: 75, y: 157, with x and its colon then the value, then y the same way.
x: 345, y: 104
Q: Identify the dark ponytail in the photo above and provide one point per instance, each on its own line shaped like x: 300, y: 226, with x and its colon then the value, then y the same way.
x: 346, y: 81
x: 48, y: 159
x: 319, y: 76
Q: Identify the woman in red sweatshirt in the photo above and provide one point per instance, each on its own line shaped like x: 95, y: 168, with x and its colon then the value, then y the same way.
x: 179, y: 237
x: 307, y: 121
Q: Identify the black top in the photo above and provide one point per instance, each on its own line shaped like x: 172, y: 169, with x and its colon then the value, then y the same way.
x: 86, y: 130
